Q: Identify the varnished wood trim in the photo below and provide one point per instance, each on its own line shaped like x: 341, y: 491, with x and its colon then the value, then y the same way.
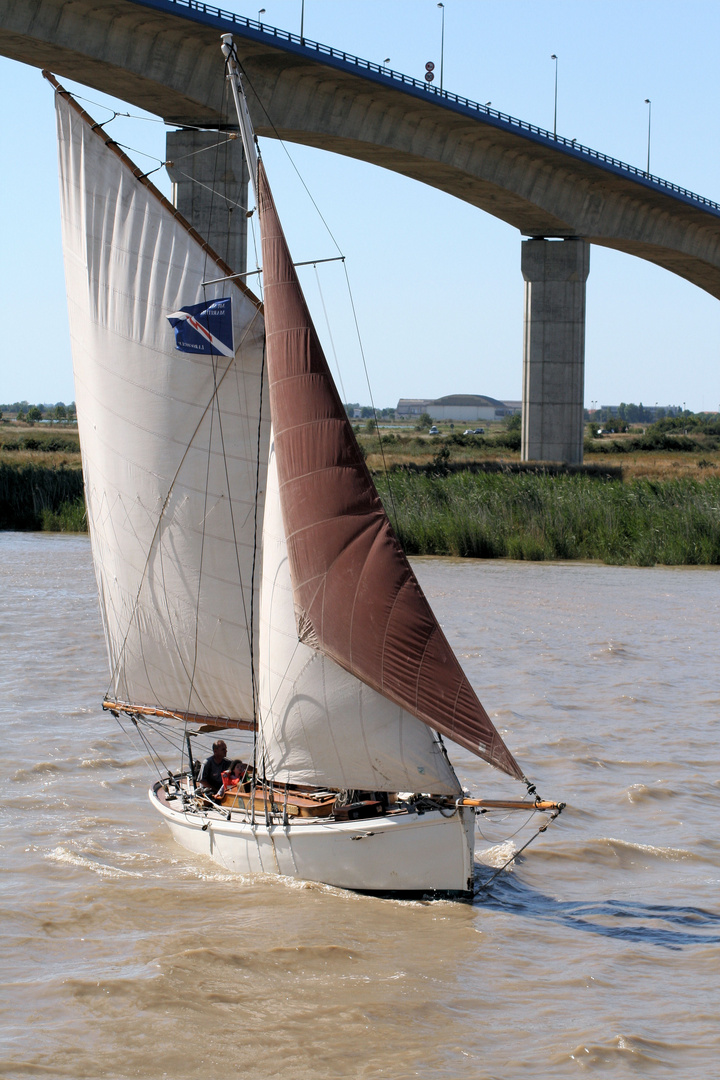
x: 209, y: 722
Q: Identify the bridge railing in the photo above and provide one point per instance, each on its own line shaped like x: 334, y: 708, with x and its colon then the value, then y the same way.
x: 446, y: 96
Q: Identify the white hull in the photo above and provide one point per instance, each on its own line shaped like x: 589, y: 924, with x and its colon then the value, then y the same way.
x: 428, y: 852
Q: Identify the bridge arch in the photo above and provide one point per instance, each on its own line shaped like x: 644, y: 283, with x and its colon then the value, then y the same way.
x: 149, y: 52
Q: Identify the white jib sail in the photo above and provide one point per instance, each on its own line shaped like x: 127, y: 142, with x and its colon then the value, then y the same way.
x: 169, y: 439
x: 320, y: 724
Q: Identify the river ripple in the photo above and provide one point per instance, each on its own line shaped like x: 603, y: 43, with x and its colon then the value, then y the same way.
x: 597, y: 954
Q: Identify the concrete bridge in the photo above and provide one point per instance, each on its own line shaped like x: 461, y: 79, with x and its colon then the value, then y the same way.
x: 162, y: 56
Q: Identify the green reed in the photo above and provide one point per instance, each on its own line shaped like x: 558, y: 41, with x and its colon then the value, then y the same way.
x: 535, y: 516
x: 29, y: 493
x: 474, y: 513
x: 69, y: 517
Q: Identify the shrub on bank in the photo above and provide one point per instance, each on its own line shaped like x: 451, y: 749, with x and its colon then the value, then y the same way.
x: 45, y: 442
x: 509, y: 440
x: 652, y: 440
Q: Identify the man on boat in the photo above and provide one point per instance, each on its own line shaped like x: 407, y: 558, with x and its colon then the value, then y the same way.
x: 216, y: 764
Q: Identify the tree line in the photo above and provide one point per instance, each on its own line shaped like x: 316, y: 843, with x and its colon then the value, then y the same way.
x: 23, y: 410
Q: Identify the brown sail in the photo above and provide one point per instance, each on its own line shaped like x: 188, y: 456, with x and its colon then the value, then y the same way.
x: 356, y: 597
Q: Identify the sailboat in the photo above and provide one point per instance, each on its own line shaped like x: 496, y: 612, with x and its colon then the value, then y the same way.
x: 249, y: 578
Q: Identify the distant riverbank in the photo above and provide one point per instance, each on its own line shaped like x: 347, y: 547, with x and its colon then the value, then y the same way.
x: 41, y: 483
x: 475, y: 509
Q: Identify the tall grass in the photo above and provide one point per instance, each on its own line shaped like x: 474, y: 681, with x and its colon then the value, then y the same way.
x: 27, y: 492
x: 69, y: 517
x: 498, y: 513
x: 535, y: 516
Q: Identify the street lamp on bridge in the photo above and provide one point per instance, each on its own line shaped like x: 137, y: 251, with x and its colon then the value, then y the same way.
x: 554, y: 57
x: 648, y: 102
x: 442, y: 45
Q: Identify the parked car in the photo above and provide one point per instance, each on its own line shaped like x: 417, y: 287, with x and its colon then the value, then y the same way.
x: 468, y: 431
x: 434, y: 430
x: 479, y: 431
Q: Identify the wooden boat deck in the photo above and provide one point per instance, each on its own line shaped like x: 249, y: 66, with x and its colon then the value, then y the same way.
x: 277, y: 800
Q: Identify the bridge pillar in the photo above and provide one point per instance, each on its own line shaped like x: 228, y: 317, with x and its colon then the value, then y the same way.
x: 210, y: 184
x: 555, y: 272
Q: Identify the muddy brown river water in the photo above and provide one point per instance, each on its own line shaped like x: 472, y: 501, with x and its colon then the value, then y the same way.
x: 597, y: 954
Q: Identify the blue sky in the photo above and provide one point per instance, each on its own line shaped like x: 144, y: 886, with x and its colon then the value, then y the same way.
x: 436, y: 283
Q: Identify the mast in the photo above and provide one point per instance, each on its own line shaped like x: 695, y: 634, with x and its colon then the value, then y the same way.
x: 356, y: 597
x: 238, y: 91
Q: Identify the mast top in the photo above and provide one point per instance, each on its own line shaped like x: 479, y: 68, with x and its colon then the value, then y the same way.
x: 247, y: 132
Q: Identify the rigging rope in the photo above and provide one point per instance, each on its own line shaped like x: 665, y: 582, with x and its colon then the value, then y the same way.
x: 216, y: 404
x: 256, y: 711
x: 196, y: 647
x: 152, y: 755
x: 513, y: 857
x: 258, y: 97
x: 329, y: 330
x: 372, y: 401
x: 231, y: 204
x: 278, y: 136
x: 213, y: 399
x: 519, y: 829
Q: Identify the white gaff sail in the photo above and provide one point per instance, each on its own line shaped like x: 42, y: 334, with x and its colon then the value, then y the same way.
x: 174, y: 444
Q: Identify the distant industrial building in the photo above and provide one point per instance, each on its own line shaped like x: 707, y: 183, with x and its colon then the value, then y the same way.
x: 463, y: 407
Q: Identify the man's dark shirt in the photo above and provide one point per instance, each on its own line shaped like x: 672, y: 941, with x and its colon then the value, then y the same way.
x: 212, y: 773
